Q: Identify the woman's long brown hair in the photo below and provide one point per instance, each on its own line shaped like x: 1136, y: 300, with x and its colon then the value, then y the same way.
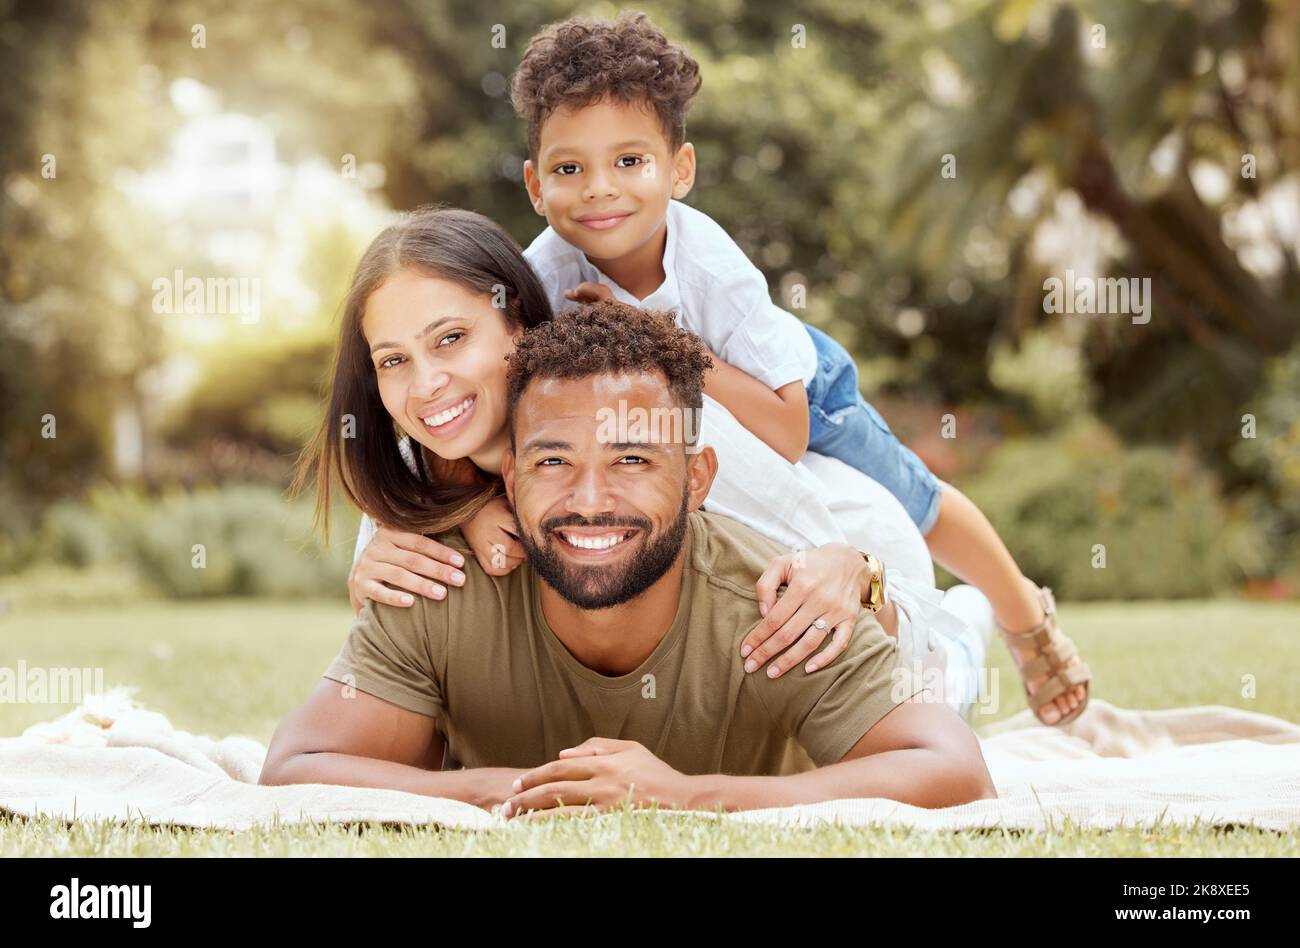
x: 456, y: 245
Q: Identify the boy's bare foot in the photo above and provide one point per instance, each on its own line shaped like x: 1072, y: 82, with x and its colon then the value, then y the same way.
x: 1068, y: 701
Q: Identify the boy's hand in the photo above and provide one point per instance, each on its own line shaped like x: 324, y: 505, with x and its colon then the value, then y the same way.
x: 491, y: 535
x: 589, y: 293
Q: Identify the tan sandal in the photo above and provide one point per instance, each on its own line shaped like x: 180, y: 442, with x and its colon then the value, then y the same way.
x: 1053, y: 651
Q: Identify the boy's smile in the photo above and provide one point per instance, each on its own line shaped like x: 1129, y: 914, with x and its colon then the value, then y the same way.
x: 603, y: 180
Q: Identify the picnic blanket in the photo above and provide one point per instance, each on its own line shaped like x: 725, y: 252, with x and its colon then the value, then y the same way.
x: 110, y: 759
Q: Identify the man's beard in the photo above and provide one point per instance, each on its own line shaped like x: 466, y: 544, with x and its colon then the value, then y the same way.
x: 599, y: 586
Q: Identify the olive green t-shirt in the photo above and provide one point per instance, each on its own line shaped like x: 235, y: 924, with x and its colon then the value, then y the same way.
x: 507, y: 693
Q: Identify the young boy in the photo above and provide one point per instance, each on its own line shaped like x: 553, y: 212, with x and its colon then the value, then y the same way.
x: 608, y: 165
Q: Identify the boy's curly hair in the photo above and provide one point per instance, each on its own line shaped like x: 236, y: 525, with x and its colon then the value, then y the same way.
x: 609, y: 337
x: 579, y: 61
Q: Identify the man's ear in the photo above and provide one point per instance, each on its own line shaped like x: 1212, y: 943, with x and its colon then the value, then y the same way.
x: 701, y: 468
x: 683, y: 171
x: 508, y: 474
x: 533, y: 184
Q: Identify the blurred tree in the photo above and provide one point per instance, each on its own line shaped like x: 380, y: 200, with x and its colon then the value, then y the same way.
x: 786, y: 128
x: 72, y: 339
x: 1122, y: 104
x: 820, y: 130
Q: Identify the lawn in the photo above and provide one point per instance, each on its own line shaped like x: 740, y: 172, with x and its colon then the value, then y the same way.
x: 236, y: 666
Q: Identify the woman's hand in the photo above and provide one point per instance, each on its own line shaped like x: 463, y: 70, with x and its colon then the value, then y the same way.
x: 588, y: 292
x: 408, y: 563
x: 826, y: 583
x: 491, y: 535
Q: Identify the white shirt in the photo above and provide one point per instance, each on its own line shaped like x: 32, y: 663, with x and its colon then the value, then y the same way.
x: 712, y: 287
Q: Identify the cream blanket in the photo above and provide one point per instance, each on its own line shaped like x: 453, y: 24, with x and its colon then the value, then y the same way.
x: 1214, y: 765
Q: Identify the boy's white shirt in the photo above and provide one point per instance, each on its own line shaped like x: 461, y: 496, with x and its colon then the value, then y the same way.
x: 714, y: 289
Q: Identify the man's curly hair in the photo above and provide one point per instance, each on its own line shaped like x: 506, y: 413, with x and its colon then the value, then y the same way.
x: 579, y: 61
x: 609, y: 337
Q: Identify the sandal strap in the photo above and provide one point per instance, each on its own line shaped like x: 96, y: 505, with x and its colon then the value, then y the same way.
x: 1054, y: 649
x: 1042, y: 633
x: 1051, y: 658
x: 1064, y: 680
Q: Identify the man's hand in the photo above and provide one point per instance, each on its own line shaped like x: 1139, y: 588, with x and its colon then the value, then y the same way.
x: 604, y: 773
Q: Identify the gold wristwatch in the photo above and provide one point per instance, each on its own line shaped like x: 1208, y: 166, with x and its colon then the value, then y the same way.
x: 875, y: 599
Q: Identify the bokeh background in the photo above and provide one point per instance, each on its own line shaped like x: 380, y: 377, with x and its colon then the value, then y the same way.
x: 271, y: 141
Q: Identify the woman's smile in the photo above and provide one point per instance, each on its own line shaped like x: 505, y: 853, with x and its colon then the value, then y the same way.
x: 448, y: 421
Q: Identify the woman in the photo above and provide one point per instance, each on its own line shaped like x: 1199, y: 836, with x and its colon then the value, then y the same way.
x: 458, y: 284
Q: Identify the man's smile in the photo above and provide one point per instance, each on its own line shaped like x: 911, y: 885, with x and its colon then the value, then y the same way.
x: 589, y: 544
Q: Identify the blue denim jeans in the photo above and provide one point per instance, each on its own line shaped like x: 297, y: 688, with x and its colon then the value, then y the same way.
x: 844, y: 426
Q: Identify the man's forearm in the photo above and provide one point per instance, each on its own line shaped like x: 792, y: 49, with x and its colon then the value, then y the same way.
x: 482, y: 786
x: 922, y: 777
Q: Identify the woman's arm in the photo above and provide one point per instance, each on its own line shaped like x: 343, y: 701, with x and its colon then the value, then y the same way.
x: 817, y: 503
x: 392, y: 567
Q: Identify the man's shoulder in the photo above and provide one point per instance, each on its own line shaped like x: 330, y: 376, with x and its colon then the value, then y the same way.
x: 482, y: 597
x: 727, y: 553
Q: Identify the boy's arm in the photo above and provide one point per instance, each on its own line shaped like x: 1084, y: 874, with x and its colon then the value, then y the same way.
x: 785, y: 502
x: 758, y: 354
x: 779, y: 418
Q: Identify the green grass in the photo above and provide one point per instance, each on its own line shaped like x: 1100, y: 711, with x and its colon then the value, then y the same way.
x: 237, y: 666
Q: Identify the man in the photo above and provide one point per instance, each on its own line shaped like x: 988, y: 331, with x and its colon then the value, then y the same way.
x: 607, y: 667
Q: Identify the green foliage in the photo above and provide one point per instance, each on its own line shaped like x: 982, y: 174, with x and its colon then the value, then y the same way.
x: 240, y: 540
x: 821, y: 159
x: 264, y: 392
x: 1267, y: 452
x: 103, y: 584
x: 72, y: 334
x: 1166, y: 530
x: 1115, y: 107
x: 1273, y: 446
